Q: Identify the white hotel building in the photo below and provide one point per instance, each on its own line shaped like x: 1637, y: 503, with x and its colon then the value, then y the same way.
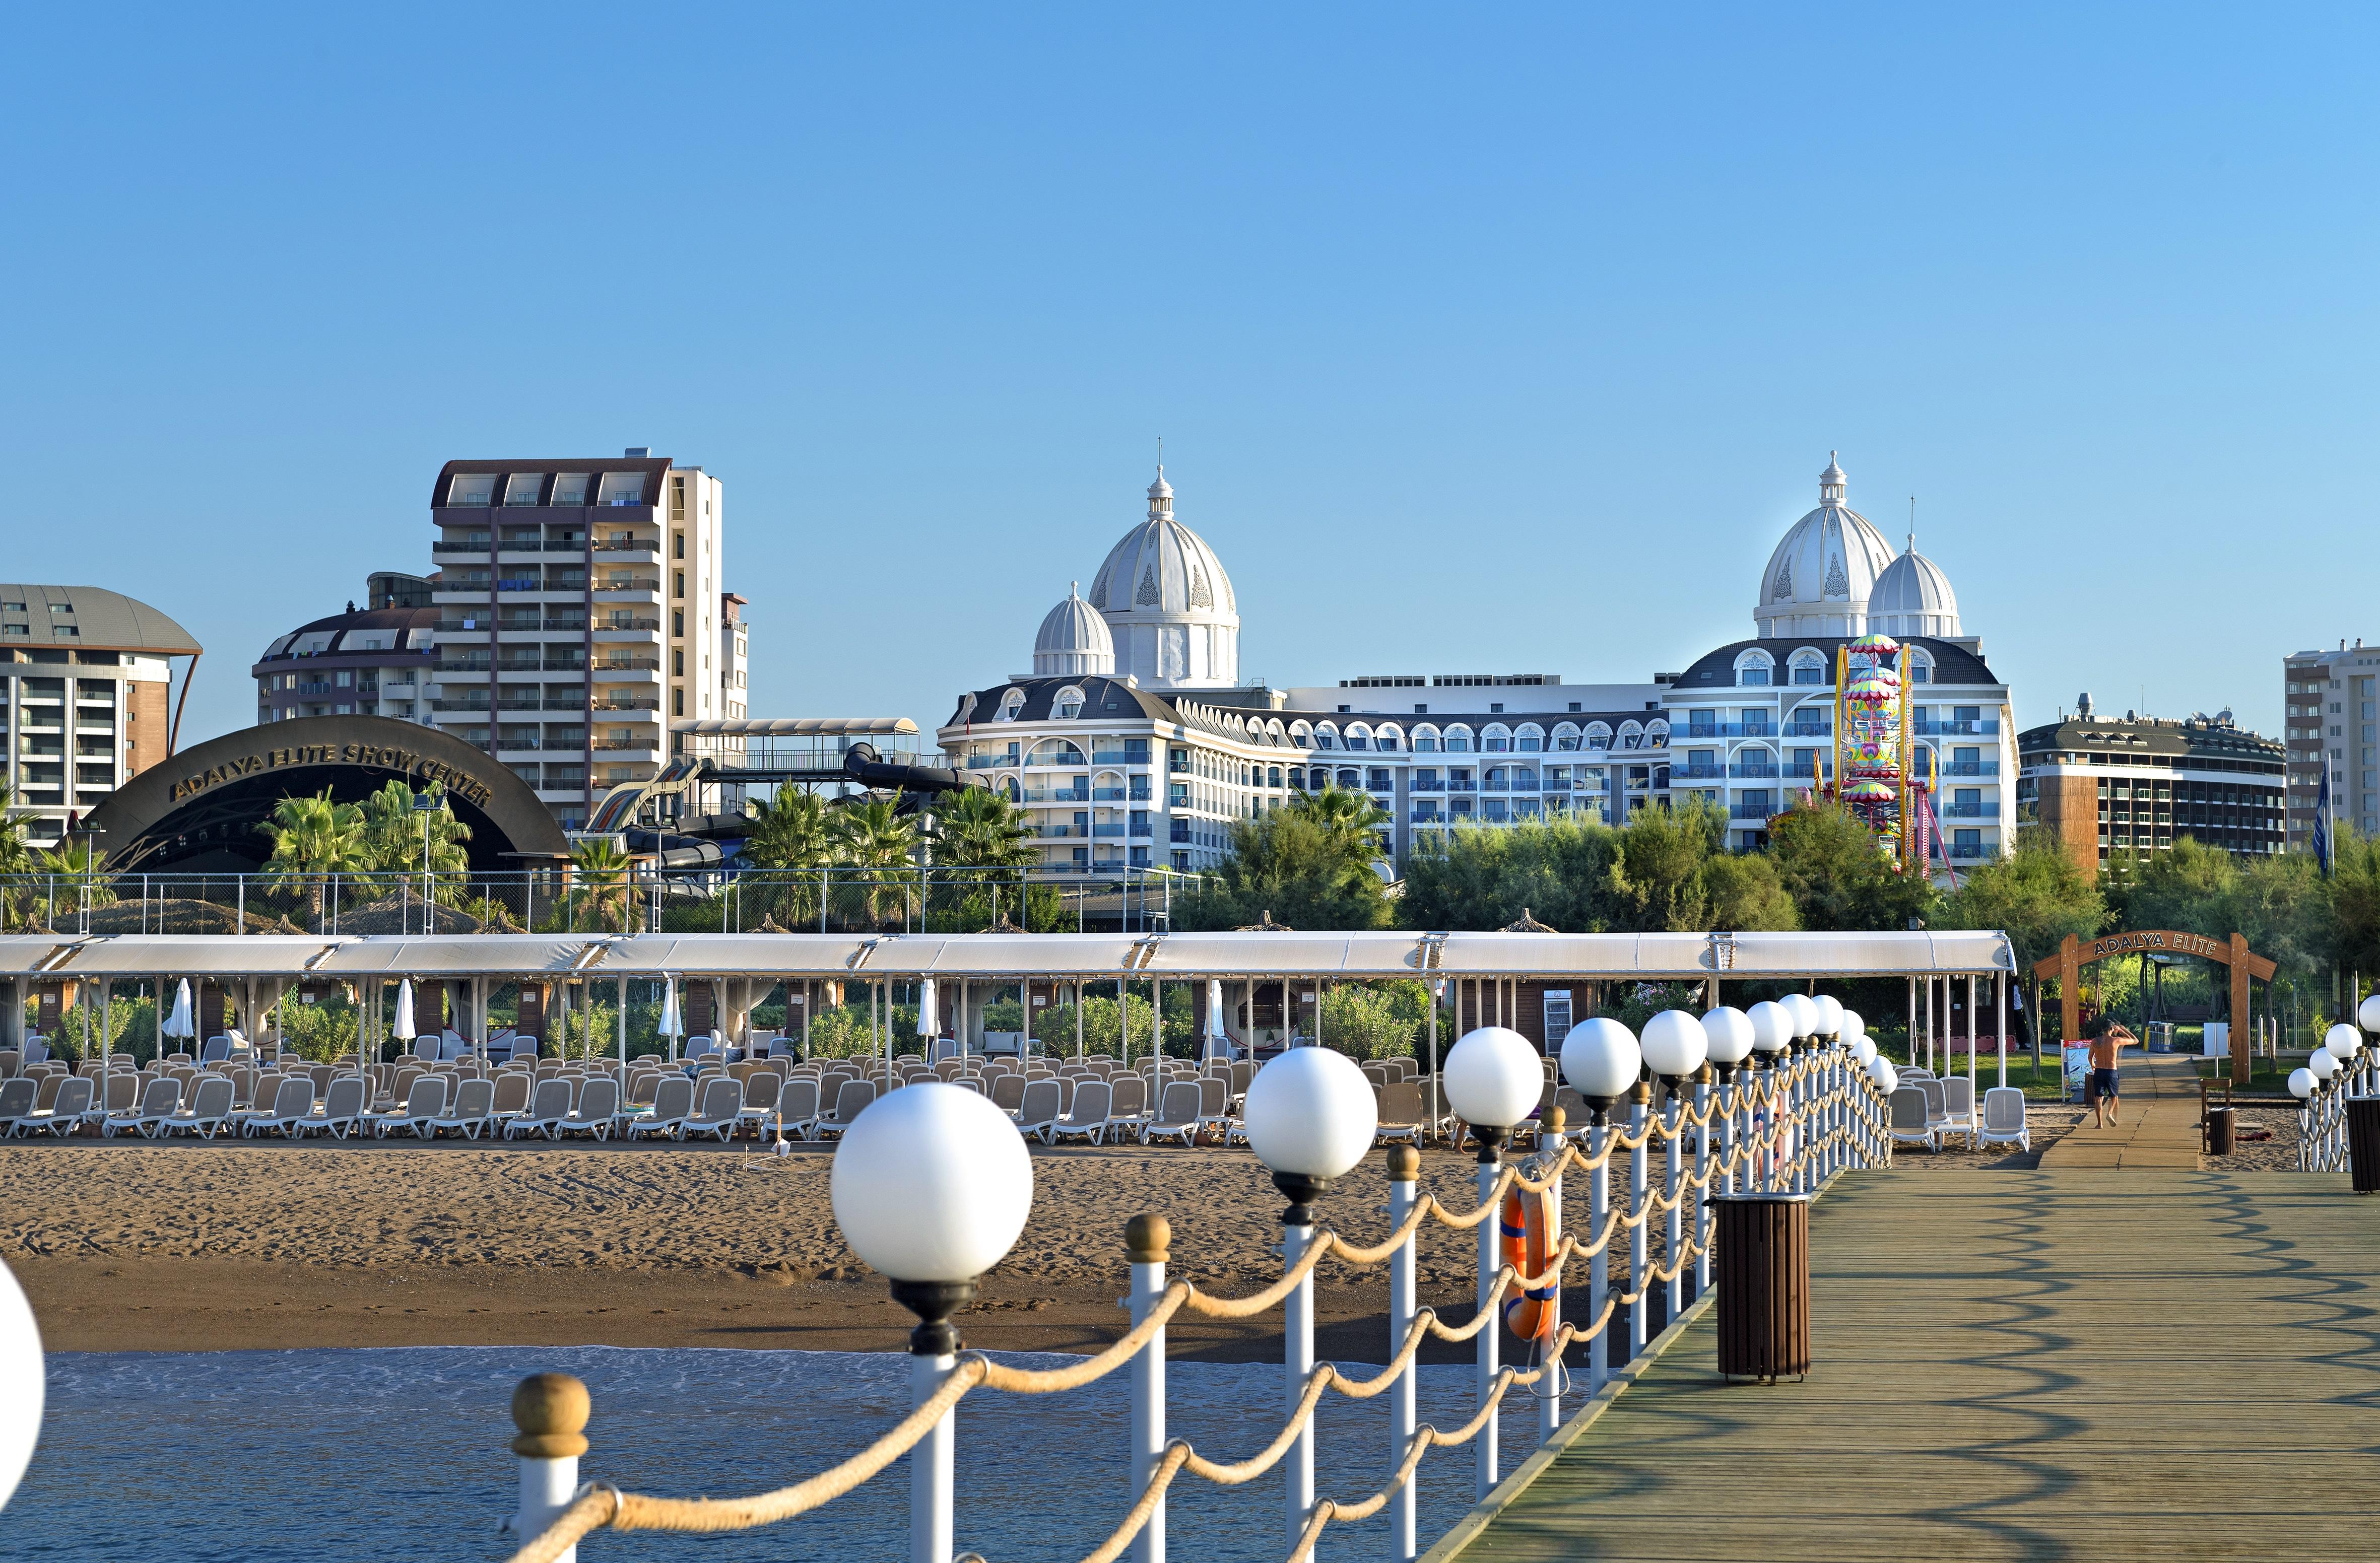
x: 1134, y: 743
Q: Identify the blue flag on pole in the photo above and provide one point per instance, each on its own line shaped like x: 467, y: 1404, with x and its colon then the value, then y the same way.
x: 2321, y: 823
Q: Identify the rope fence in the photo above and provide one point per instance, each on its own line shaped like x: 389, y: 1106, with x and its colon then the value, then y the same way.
x: 1785, y: 1130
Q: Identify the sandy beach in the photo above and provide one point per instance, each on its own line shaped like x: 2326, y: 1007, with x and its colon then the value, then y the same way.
x: 131, y: 1246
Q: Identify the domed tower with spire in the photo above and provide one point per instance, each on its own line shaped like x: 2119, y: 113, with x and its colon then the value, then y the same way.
x: 1168, y: 603
x: 1823, y: 572
x: 1073, y: 639
x: 1913, y: 597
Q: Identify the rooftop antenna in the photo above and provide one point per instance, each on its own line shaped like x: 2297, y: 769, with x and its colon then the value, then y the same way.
x: 1912, y: 522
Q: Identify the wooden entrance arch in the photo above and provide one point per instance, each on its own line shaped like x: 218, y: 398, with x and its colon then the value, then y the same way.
x: 2073, y: 955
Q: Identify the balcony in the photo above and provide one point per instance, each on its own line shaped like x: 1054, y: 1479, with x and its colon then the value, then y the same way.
x: 1700, y: 771
x: 1118, y: 757
x: 1977, y: 727
x: 1054, y: 795
x: 1807, y: 729
x: 1107, y: 795
x: 1762, y: 812
x: 989, y: 762
x: 517, y: 706
x: 1462, y: 787
x: 1428, y: 786
x: 1970, y: 767
x: 1971, y: 852
x: 1740, y: 770
x: 460, y: 546
x: 627, y: 627
x: 1053, y: 832
x: 622, y: 745
x: 645, y: 703
x: 1115, y: 830
x: 646, y: 584
x: 554, y: 625
x: 634, y: 545
x: 525, y: 583
x: 1726, y: 730
x: 463, y: 665
x: 624, y: 665
x: 1972, y: 811
x: 1424, y: 815
x: 505, y: 745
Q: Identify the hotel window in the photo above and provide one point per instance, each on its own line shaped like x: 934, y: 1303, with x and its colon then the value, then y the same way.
x: 522, y: 488
x: 677, y: 499
x: 677, y: 622
x: 677, y: 702
x: 471, y: 490
x: 621, y: 487
x: 677, y: 664
x: 570, y: 488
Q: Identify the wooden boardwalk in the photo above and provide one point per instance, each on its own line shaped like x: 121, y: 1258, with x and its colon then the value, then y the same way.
x: 2156, y: 1123
x: 2094, y: 1365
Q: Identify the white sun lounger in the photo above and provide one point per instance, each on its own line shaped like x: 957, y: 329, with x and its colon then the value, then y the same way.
x: 293, y: 1103
x: 1088, y: 1119
x: 598, y: 1103
x: 1177, y: 1115
x: 549, y: 1107
x: 1912, y: 1120
x: 208, y: 1110
x: 722, y: 1101
x: 159, y: 1102
x: 1959, y: 1107
x: 2004, y: 1119
x: 1038, y: 1112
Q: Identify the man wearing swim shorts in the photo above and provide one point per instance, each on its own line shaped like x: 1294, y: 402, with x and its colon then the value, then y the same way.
x: 2107, y: 1038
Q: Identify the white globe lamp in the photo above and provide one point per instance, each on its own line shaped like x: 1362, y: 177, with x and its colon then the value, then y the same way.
x: 2341, y: 1041
x: 1854, y: 1027
x: 932, y: 1185
x: 1493, y: 1080
x: 1864, y: 1050
x: 1310, y: 1116
x: 20, y: 1384
x: 1831, y: 1015
x: 1727, y: 1039
x: 1887, y: 1078
x: 1804, y: 1010
x: 1601, y: 1061
x: 2302, y: 1084
x: 1675, y: 1045
x: 2323, y: 1064
x: 1772, y: 1028
x: 2367, y: 1015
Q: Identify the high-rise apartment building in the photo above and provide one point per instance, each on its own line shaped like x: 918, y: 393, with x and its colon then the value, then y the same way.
x: 2111, y: 790
x: 84, y: 676
x: 2330, y: 704
x: 580, y: 609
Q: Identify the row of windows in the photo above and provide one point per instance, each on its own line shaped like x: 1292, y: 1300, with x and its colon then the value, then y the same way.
x: 467, y: 491
x: 1810, y: 666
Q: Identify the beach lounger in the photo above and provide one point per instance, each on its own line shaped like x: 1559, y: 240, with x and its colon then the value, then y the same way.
x: 1040, y: 1108
x: 851, y: 1098
x: 1087, y: 1119
x: 673, y: 1099
x: 422, y: 1108
x: 1177, y: 1115
x: 762, y: 1092
x: 1912, y: 1118
x: 1959, y: 1107
x: 1129, y: 1102
x: 118, y: 1096
x: 208, y: 1110
x: 66, y: 1112
x: 340, y: 1112
x: 1402, y: 1111
x: 1938, y: 1106
x: 17, y: 1097
x: 798, y: 1107
x: 293, y: 1103
x: 723, y: 1099
x: 158, y: 1103
x: 549, y: 1107
x: 598, y: 1103
x: 512, y: 1094
x: 2004, y: 1119
x: 1007, y: 1092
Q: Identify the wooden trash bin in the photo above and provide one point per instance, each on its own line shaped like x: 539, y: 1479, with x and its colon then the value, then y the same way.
x: 1762, y: 1249
x: 2222, y: 1131
x: 2363, y: 1143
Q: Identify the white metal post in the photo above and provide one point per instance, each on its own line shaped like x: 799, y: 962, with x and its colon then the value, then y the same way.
x: 1404, y: 1193
x: 1703, y: 1181
x: 1549, y: 1397
x: 1639, y: 1245
x: 1488, y: 1344
x: 549, y: 1415
x: 1297, y: 1365
x: 1147, y: 1238
x: 1598, y: 1267
x: 1672, y: 1174
x: 931, y: 1465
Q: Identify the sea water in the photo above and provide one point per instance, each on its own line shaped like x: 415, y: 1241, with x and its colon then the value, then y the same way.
x: 401, y: 1453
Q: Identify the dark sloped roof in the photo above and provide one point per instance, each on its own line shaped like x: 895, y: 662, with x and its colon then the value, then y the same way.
x: 108, y: 621
x: 1953, y: 664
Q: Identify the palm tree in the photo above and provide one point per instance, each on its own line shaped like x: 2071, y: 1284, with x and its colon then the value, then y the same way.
x: 794, y: 834
x: 15, y: 858
x: 977, y: 828
x: 1348, y: 820
x: 394, y: 831
x: 313, y: 839
x: 600, y: 868
x: 875, y: 838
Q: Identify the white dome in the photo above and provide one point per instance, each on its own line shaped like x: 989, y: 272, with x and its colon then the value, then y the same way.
x: 1913, y: 597
x: 1073, y: 639
x: 1819, y: 579
x: 1175, y: 621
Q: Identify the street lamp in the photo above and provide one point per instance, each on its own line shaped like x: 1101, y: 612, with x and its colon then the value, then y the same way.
x: 2367, y: 1014
x: 932, y: 1185
x: 1887, y: 1078
x: 1675, y: 1045
x: 1601, y: 1061
x: 20, y: 1384
x: 1831, y: 1015
x: 2341, y: 1042
x: 1727, y: 1039
x: 1493, y: 1080
x: 1804, y: 1010
x: 1772, y: 1029
x: 1310, y: 1116
x: 424, y: 804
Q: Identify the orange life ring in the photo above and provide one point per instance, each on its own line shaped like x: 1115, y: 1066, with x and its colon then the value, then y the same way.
x: 1531, y: 1226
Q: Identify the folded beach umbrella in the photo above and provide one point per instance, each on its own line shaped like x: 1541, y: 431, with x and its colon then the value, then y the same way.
x: 929, y: 1021
x: 178, y: 1023
x: 670, y: 1025
x: 1216, y: 1032
x: 402, y: 1030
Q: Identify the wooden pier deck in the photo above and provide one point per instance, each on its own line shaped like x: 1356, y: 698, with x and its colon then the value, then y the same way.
x: 2095, y: 1364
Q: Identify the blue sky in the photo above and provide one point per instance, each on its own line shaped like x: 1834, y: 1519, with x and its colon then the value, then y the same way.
x: 1488, y: 343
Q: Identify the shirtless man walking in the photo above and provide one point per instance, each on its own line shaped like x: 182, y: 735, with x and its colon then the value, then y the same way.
x: 2107, y: 1039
